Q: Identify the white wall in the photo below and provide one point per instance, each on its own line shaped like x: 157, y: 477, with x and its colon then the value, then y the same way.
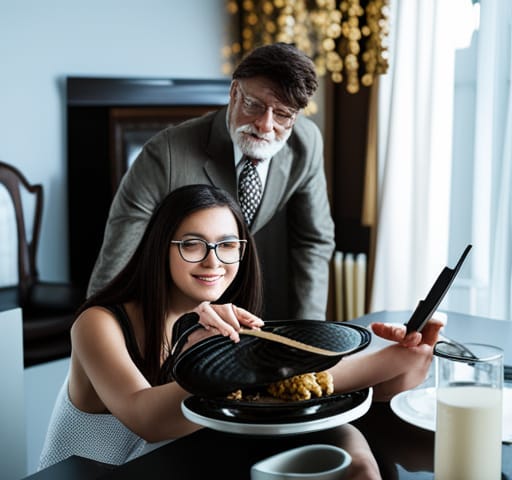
x: 42, y: 42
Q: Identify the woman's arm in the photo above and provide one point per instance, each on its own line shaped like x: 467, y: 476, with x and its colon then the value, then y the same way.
x: 103, y: 378
x: 392, y: 369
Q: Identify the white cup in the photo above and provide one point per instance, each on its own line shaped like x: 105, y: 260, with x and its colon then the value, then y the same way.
x: 319, y: 462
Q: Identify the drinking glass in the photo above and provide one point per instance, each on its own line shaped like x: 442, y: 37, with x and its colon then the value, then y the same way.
x: 469, y: 391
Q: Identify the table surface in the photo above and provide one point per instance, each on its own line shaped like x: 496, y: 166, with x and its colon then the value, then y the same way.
x: 402, y: 450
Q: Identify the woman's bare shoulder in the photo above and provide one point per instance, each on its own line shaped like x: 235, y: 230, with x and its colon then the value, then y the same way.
x: 94, y: 321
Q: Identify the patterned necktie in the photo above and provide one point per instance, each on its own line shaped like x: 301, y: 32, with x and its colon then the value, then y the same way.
x: 249, y: 189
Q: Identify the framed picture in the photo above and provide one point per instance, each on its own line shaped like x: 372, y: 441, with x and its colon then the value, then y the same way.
x: 130, y: 128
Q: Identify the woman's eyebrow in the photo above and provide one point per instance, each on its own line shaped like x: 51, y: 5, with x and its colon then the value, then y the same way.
x: 226, y: 236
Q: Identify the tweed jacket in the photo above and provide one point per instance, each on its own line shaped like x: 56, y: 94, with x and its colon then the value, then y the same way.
x: 200, y: 150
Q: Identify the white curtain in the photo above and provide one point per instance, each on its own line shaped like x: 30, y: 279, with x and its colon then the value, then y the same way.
x: 493, y: 157
x: 415, y: 105
x: 415, y: 231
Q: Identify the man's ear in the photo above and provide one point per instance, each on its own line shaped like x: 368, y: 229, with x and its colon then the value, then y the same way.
x: 233, y: 90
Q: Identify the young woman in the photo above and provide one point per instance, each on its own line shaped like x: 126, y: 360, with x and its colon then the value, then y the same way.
x: 196, y: 255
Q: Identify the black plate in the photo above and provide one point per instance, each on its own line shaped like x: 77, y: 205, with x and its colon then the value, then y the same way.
x: 216, y: 366
x: 270, y: 418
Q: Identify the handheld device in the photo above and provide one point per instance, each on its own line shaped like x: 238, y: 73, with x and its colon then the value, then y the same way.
x: 426, y: 308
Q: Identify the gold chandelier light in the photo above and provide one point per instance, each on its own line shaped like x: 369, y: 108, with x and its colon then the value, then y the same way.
x: 346, y: 39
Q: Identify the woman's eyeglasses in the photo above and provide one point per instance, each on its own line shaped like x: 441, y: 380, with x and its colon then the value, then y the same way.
x: 196, y: 250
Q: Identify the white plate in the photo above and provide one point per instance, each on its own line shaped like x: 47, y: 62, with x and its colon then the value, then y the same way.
x: 418, y: 407
x: 232, y: 426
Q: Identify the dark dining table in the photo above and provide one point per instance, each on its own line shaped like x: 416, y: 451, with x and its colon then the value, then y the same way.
x: 402, y: 450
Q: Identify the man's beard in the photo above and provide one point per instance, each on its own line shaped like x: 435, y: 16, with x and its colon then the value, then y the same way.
x: 258, y: 145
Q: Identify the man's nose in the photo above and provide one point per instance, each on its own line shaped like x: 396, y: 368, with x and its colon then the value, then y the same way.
x: 265, y: 122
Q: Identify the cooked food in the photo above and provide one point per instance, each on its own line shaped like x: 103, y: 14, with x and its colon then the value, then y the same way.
x: 299, y: 387
x: 236, y: 395
x: 326, y: 382
x: 303, y: 387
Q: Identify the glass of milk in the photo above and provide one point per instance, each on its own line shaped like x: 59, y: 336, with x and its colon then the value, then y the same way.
x: 469, y: 390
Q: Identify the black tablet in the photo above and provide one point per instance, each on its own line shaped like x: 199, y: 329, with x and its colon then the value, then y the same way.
x: 428, y: 306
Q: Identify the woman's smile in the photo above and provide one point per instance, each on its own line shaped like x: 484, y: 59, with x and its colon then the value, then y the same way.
x: 209, y: 279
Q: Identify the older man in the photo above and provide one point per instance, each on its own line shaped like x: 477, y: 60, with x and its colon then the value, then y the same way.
x: 266, y: 154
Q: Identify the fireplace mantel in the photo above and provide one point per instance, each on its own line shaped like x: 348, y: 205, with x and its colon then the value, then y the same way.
x: 111, y: 92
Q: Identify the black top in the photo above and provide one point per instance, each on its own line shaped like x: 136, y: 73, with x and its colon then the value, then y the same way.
x: 119, y: 312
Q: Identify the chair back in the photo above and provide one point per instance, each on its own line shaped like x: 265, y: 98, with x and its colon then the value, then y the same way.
x: 27, y: 201
x: 8, y: 241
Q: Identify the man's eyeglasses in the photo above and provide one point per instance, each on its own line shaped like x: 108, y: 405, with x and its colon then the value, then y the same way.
x: 196, y: 250
x: 255, y: 108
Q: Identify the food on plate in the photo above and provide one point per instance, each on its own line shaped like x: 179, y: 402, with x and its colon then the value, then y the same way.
x: 302, y: 387
x: 299, y: 387
x: 236, y: 395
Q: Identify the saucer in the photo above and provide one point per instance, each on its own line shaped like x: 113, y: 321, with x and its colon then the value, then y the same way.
x: 418, y: 407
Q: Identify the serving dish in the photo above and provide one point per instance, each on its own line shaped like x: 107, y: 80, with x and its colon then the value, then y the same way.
x: 277, y: 417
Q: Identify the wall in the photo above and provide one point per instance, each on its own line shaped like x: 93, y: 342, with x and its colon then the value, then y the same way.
x: 43, y: 42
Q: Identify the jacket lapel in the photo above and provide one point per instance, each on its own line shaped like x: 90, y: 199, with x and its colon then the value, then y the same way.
x: 277, y: 180
x: 220, y: 166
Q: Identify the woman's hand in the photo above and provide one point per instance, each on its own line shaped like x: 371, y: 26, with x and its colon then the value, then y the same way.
x: 410, y: 364
x: 226, y: 318
x: 399, y: 366
x: 397, y: 333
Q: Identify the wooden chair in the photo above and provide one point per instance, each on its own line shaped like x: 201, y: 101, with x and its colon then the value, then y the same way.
x: 48, y: 307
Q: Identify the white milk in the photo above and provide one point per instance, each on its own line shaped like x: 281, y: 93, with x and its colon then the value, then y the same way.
x: 468, y: 433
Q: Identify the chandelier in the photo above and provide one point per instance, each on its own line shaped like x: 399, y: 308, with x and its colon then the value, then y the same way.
x: 346, y: 39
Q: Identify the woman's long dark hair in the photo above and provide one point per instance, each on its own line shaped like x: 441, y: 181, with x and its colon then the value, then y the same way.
x: 146, y: 279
